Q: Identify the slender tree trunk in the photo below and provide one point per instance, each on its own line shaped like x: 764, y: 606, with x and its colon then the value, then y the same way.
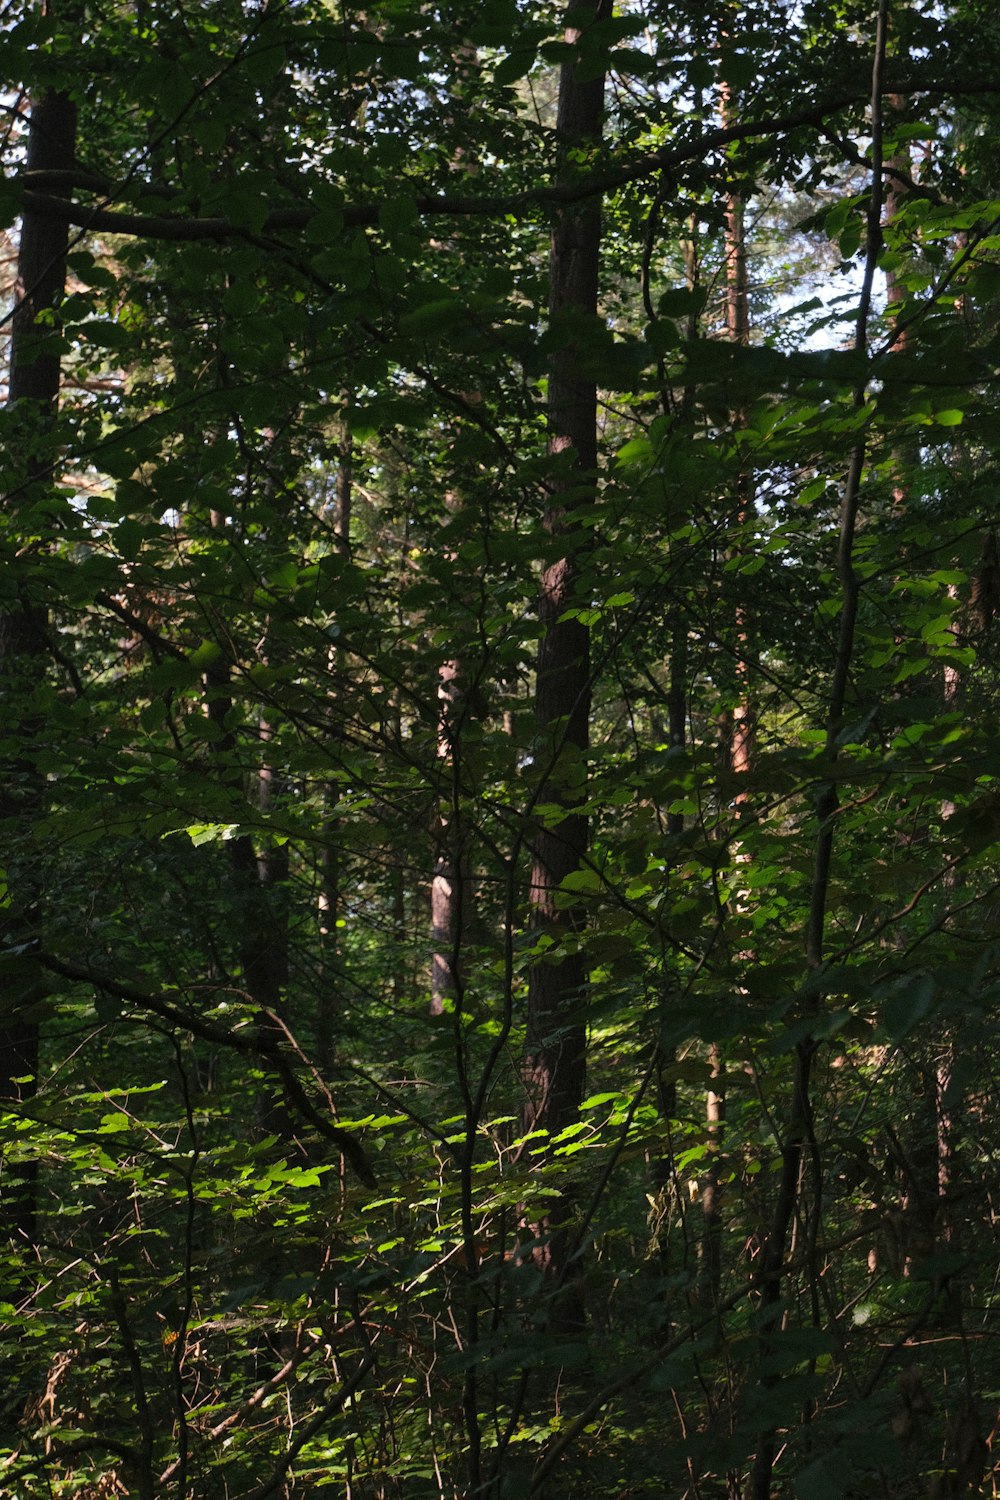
x: 663, y: 1173
x: 451, y: 884
x: 329, y: 872
x: 926, y: 1202
x: 895, y: 197
x: 261, y: 946
x: 739, y: 732
x: 799, y: 1145
x: 710, y: 1249
x: 34, y: 391
x: 257, y: 877
x: 556, y: 1032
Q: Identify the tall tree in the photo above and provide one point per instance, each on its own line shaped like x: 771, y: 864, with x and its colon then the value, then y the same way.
x: 555, y: 1044
x: 33, y: 397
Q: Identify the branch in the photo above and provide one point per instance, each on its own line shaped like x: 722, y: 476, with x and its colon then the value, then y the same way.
x: 168, y: 226
x: 154, y: 640
x: 329, y: 1409
x: 252, y: 1042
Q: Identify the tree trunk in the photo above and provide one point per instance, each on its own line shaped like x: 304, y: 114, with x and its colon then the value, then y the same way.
x: 329, y: 864
x: 34, y: 391
x: 257, y: 877
x: 800, y: 1148
x: 739, y: 732
x: 452, y: 894
x: 556, y: 1032
x: 328, y: 906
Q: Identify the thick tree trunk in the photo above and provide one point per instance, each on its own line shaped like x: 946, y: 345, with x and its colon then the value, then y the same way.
x: 34, y: 391
x: 555, y: 1044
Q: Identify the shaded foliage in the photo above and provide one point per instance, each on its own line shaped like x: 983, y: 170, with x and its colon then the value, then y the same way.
x: 293, y: 1230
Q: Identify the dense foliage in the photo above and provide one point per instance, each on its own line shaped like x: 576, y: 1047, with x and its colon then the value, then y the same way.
x: 500, y: 803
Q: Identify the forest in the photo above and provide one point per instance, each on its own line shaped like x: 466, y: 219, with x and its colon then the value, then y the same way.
x: 500, y: 666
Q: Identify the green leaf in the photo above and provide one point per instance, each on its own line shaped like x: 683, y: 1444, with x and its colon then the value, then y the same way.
x: 105, y: 335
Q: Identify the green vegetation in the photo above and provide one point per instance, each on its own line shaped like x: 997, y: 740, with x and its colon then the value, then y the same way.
x: 500, y: 922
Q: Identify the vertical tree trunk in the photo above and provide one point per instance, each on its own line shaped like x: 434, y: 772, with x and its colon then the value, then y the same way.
x: 34, y: 391
x: 257, y: 877
x: 739, y: 732
x: 925, y: 1203
x: 329, y: 864
x: 895, y: 197
x: 451, y: 885
x: 262, y: 941
x: 663, y: 1173
x: 799, y: 1143
x: 556, y: 1032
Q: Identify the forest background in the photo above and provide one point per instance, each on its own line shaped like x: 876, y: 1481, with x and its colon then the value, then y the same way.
x: 500, y: 799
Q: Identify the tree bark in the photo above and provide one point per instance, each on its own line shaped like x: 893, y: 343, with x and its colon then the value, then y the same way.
x: 257, y: 876
x: 739, y: 726
x: 34, y: 392
x: 451, y: 884
x: 556, y: 1031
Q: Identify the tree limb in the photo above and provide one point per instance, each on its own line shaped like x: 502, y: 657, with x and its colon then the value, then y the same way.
x: 166, y: 226
x: 253, y: 1041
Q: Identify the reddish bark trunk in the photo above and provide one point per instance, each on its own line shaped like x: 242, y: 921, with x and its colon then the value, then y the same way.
x: 739, y: 736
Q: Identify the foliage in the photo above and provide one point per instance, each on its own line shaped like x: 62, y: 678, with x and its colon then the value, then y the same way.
x: 285, y: 537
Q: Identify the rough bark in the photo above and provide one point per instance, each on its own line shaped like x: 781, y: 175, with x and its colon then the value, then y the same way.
x: 453, y: 888
x: 556, y: 1032
x: 739, y: 731
x: 34, y: 392
x: 451, y: 884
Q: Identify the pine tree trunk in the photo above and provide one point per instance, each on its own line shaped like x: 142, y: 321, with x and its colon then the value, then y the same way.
x: 739, y: 734
x: 556, y: 1034
x: 34, y: 391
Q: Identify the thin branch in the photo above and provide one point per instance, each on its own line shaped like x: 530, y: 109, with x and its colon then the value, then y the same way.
x: 250, y: 1041
x: 329, y: 1409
